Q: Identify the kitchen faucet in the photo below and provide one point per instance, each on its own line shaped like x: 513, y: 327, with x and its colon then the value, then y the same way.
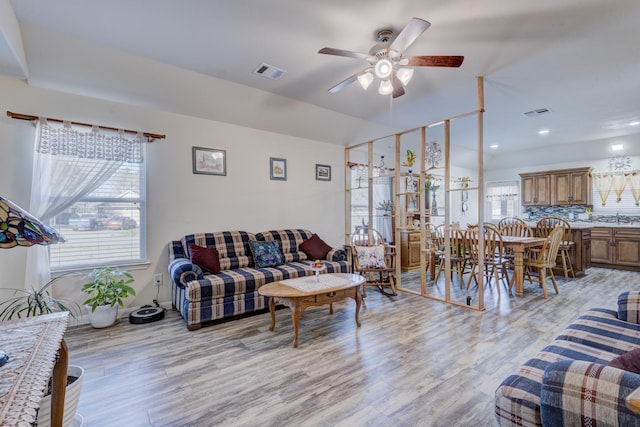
x: 618, y: 218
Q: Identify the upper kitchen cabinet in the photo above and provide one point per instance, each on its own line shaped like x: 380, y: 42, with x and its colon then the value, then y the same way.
x: 557, y: 187
x: 536, y: 189
x: 571, y: 187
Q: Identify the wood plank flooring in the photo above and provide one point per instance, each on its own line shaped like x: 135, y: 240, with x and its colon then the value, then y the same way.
x: 414, y: 361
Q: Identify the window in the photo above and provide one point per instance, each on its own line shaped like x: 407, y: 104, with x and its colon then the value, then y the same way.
x: 502, y: 200
x: 620, y: 191
x: 106, y: 226
x: 89, y: 184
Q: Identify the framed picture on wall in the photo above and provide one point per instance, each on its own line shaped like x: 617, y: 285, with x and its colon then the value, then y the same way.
x: 323, y: 172
x: 209, y: 161
x: 278, y: 168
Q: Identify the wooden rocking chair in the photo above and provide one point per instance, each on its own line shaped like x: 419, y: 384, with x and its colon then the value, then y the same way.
x: 374, y: 259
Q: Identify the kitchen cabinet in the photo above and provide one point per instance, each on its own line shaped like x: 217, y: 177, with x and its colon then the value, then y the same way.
x: 409, y: 250
x: 616, y: 247
x: 536, y: 189
x: 571, y: 187
x: 580, y: 253
x: 557, y: 187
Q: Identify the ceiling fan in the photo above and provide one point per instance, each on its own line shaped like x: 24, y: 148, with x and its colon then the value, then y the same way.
x: 387, y: 63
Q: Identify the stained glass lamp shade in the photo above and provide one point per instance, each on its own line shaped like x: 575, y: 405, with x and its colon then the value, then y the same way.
x: 19, y: 228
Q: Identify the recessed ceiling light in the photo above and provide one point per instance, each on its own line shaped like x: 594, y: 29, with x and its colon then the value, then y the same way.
x: 634, y: 123
x: 493, y: 146
x: 543, y: 131
x: 617, y: 147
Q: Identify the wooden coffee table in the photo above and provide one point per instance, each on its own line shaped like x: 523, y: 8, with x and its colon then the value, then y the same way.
x: 309, y: 291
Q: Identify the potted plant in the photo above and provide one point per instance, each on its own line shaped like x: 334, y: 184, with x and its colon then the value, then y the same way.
x: 107, y: 289
x: 35, y: 302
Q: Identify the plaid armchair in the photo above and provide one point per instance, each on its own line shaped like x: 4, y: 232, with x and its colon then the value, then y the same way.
x: 569, y: 382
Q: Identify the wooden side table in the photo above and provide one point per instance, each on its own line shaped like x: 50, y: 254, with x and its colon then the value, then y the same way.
x: 32, y: 345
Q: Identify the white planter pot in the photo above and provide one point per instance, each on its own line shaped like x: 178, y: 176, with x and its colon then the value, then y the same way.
x: 103, y: 316
x: 71, y: 398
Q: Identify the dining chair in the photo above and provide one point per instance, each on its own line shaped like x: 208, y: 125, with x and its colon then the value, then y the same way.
x: 375, y: 260
x: 544, y: 259
x: 545, y: 226
x: 514, y: 226
x: 494, y: 260
x: 458, y: 254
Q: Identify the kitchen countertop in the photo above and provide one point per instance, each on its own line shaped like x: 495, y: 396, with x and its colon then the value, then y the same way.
x: 582, y: 225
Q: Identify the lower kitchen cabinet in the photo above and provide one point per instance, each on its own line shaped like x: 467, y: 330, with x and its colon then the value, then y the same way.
x: 616, y: 247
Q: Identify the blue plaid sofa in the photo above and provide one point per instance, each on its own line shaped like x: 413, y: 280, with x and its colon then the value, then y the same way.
x: 568, y: 383
x: 202, y: 297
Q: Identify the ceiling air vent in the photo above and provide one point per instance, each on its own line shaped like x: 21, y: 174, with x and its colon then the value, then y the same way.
x: 269, y: 71
x: 538, y: 112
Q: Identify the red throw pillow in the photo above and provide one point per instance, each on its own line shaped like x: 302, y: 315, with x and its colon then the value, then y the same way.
x: 207, y: 258
x: 629, y: 361
x: 315, y: 247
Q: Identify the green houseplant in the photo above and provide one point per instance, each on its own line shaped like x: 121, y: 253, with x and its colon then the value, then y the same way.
x: 34, y: 302
x: 107, y: 289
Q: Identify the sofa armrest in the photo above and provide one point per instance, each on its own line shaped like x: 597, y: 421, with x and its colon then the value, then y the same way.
x: 629, y: 307
x: 576, y: 392
x: 336, y: 254
x: 182, y: 271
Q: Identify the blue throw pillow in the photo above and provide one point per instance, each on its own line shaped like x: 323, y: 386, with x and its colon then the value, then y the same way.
x: 266, y: 254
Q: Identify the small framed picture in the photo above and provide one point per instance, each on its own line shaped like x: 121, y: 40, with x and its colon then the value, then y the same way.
x: 323, y: 172
x: 278, y: 168
x: 209, y: 161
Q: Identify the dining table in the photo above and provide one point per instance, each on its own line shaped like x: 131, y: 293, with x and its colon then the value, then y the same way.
x: 519, y: 245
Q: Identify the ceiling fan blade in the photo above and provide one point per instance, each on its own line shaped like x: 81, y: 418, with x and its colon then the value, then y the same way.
x: 346, y: 82
x: 432, y: 61
x: 347, y: 53
x: 408, y: 35
x: 398, y: 87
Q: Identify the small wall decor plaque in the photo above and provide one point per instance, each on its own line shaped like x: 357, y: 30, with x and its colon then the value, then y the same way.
x: 278, y: 168
x: 323, y: 172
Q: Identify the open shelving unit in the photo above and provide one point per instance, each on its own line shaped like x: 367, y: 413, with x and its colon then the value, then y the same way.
x: 403, y: 184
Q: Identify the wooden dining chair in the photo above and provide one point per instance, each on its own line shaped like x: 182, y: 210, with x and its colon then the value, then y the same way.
x: 458, y: 254
x: 495, y: 263
x: 375, y: 260
x: 545, y: 226
x: 513, y: 226
x: 544, y: 259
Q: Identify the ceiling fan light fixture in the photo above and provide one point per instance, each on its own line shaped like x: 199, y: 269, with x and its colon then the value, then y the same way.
x: 383, y: 69
x: 404, y: 75
x: 385, y: 87
x: 365, y: 80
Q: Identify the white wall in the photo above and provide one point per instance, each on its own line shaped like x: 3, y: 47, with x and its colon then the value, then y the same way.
x: 179, y: 202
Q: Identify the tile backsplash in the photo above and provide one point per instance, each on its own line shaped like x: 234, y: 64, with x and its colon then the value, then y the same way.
x: 575, y: 213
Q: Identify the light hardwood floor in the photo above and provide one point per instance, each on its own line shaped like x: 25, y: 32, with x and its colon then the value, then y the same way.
x: 414, y: 361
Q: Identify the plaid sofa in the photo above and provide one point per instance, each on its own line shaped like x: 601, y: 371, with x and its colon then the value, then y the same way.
x: 568, y: 383
x: 202, y: 297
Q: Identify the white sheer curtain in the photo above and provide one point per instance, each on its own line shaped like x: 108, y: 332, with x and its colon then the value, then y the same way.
x: 62, y: 175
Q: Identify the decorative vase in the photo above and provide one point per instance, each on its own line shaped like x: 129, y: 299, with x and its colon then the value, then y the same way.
x: 71, y: 398
x: 103, y: 316
x: 434, y: 205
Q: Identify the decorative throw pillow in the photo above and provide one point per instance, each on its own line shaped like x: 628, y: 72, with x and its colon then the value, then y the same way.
x: 266, y: 254
x: 207, y: 258
x: 371, y: 256
x: 314, y: 247
x: 629, y: 361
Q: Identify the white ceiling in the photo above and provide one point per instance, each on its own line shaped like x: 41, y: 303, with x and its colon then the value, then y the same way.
x: 579, y: 58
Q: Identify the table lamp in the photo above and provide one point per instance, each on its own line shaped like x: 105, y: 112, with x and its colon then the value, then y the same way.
x: 19, y: 228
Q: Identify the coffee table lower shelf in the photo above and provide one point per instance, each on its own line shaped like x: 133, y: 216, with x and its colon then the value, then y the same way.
x: 299, y: 299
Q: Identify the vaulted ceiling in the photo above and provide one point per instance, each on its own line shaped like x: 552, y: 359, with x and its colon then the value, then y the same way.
x: 578, y: 58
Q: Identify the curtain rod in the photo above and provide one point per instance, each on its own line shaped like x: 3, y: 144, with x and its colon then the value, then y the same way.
x: 150, y: 136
